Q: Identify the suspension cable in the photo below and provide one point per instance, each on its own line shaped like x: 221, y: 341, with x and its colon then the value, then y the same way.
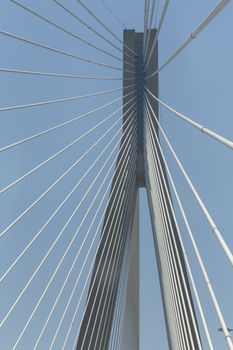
x: 89, y: 27
x: 107, y: 255
x: 178, y: 231
x: 193, y: 35
x: 87, y: 255
x: 114, y: 15
x: 60, y: 178
x: 162, y: 222
x: 9, y: 269
x: 70, y: 244
x: 66, y: 30
x: 119, y: 220
x: 150, y: 26
x: 172, y: 243
x: 40, y: 165
x: 60, y: 125
x: 161, y: 230
x: 72, y: 293
x: 194, y: 288
x: 108, y: 232
x: 214, y: 228
x: 47, y: 254
x: 206, y: 278
x: 164, y: 12
x: 115, y: 261
x: 65, y: 53
x: 116, y: 329
x: 113, y: 207
x: 104, y: 26
x: 198, y: 126
x: 73, y: 98
x: 145, y: 26
x: 60, y: 75
x: 116, y: 258
x: 113, y: 239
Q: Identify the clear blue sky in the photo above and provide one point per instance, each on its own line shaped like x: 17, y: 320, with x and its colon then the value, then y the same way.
x: 198, y: 83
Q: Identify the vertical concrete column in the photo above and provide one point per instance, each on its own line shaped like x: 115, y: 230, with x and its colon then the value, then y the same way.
x: 130, y: 338
x: 130, y: 328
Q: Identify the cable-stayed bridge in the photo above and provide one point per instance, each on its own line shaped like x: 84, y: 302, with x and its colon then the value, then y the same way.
x: 73, y: 167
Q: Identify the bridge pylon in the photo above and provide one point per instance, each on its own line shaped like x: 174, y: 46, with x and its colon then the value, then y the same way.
x: 111, y: 318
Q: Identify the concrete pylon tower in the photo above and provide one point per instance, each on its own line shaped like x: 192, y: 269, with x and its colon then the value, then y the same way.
x: 117, y: 262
